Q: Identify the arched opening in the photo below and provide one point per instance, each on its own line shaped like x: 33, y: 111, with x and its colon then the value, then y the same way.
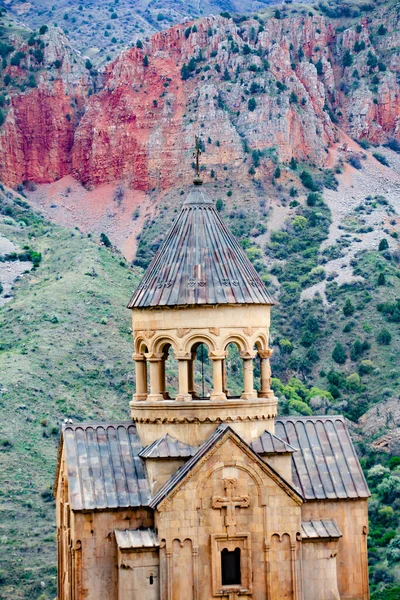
x: 200, y: 372
x: 233, y: 371
x: 257, y: 368
x: 168, y: 372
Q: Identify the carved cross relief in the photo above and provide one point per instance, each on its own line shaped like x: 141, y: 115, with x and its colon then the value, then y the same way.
x: 230, y: 502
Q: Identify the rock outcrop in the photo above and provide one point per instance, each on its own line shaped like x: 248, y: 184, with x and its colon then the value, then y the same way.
x: 258, y: 94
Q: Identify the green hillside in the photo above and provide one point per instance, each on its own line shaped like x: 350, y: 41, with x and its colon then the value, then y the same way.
x: 65, y: 348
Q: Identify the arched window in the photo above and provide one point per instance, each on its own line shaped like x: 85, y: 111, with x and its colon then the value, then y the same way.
x: 169, y: 370
x: 200, y: 372
x: 230, y: 567
x: 233, y: 371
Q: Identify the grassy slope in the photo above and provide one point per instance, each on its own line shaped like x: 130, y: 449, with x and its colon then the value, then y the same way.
x: 65, y: 348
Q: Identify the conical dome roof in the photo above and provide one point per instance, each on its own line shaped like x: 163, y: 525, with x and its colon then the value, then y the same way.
x: 200, y: 262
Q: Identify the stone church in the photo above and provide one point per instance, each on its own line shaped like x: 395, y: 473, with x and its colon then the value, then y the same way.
x: 203, y: 496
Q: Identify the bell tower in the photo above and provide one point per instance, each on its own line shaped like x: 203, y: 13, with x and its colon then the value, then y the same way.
x: 200, y: 288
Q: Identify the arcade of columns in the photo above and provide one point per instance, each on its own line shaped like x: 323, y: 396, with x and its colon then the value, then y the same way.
x: 156, y: 361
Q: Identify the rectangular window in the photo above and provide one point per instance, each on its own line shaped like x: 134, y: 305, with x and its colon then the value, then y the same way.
x: 230, y: 567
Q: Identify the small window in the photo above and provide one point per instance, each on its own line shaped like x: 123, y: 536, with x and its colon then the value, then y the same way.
x: 230, y: 567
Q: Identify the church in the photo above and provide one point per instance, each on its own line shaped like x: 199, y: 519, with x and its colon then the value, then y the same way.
x: 203, y: 496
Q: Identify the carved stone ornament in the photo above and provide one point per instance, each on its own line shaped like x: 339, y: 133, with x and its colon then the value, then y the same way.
x: 214, y: 330
x: 182, y: 331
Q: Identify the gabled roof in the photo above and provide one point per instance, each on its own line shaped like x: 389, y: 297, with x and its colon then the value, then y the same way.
x: 167, y: 447
x: 268, y: 443
x: 217, y: 435
x: 200, y: 262
x: 326, y: 465
x: 103, y: 466
x: 136, y: 538
x: 320, y: 530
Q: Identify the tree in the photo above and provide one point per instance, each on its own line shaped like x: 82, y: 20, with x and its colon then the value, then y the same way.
x: 277, y: 173
x: 293, y: 98
x: 383, y: 245
x: 347, y: 59
x: 88, y: 64
x: 251, y: 105
x: 339, y: 354
x: 219, y: 205
x: 277, y: 14
x: 293, y: 163
x: 105, y: 240
x: 146, y: 61
x: 384, y: 337
x: 319, y: 66
x: 308, y: 181
x: 43, y: 29
x: 381, y: 279
x: 348, y: 308
x: 139, y: 44
x: 226, y: 75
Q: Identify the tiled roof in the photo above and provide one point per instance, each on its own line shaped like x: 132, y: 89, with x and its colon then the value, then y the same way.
x: 136, y: 538
x: 167, y: 447
x: 200, y: 262
x: 219, y: 432
x: 313, y: 530
x: 104, y: 469
x: 326, y: 465
x: 268, y: 443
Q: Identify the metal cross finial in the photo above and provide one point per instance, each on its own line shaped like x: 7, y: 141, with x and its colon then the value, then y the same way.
x: 196, y: 155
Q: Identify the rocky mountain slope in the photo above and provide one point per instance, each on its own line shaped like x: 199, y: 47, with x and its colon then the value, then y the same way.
x: 100, y: 29
x: 258, y: 91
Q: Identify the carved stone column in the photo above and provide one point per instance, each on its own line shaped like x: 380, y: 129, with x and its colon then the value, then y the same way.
x: 249, y: 393
x: 265, y: 374
x: 154, y: 359
x: 183, y: 371
x: 161, y: 372
x: 141, y: 377
x: 217, y: 392
x: 190, y: 365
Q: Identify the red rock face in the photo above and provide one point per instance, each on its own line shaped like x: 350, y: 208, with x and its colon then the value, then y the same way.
x: 37, y: 137
x: 140, y: 126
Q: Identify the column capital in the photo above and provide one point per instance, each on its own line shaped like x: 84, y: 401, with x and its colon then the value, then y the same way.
x: 218, y: 355
x: 154, y: 356
x: 265, y: 353
x: 138, y: 357
x: 248, y: 354
x: 183, y: 355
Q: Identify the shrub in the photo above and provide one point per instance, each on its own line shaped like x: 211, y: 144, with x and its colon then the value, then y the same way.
x: 139, y: 44
x: 383, y: 245
x: 88, y: 64
x: 339, y: 354
x: 393, y: 144
x: 308, y: 181
x: 348, y: 308
x: 300, y: 407
x: 384, y: 337
x: 293, y: 99
x: 381, y: 30
x: 293, y: 163
x: 105, y: 240
x: 251, y: 105
x: 347, y: 59
x: 382, y: 159
x: 366, y: 367
x: 219, y: 205
x: 355, y: 162
x: 285, y: 346
x: 353, y: 382
x: 313, y: 198
x: 43, y: 29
